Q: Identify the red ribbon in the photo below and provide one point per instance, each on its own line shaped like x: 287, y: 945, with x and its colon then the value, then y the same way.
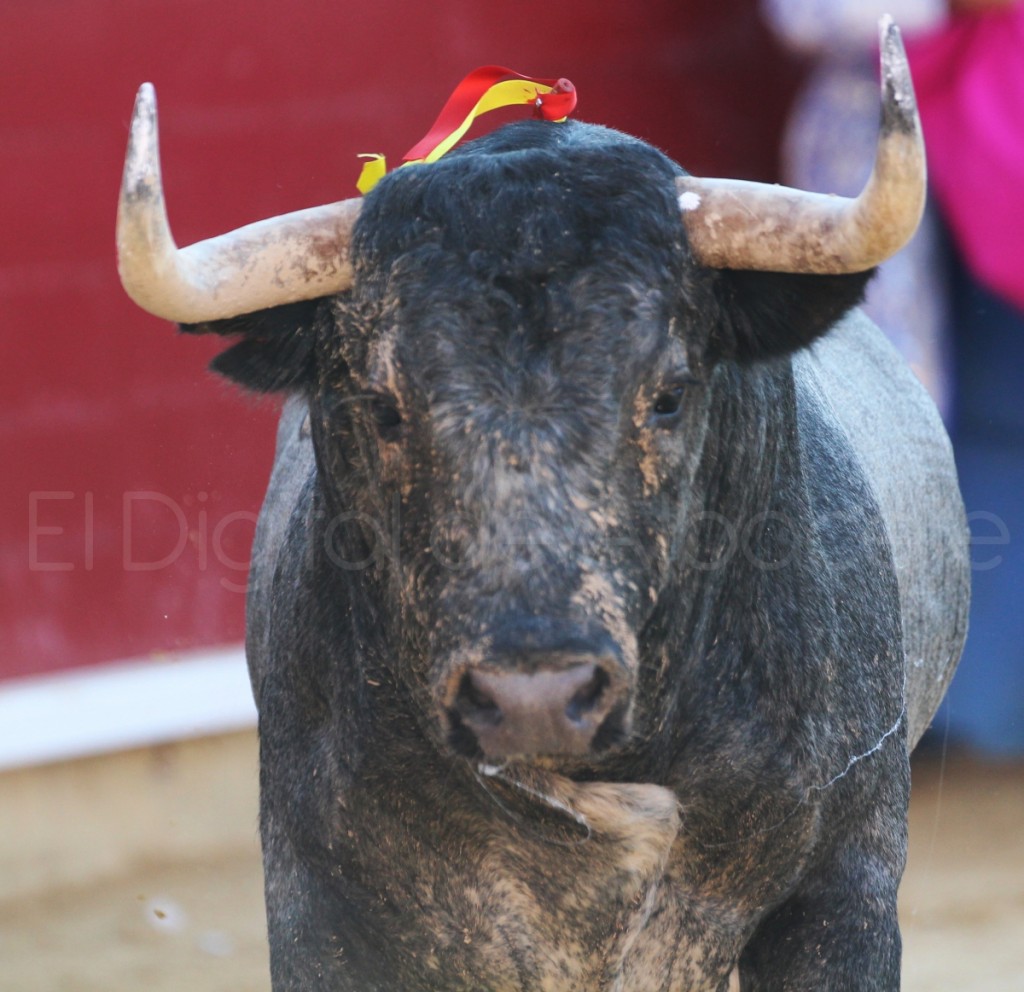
x: 550, y: 106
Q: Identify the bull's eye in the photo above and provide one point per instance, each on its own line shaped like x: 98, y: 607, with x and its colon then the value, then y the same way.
x: 386, y: 416
x: 667, y: 405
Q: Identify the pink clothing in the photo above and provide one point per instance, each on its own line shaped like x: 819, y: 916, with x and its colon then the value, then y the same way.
x: 969, y: 77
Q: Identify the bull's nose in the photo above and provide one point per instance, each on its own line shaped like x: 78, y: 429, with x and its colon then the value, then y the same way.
x: 543, y: 712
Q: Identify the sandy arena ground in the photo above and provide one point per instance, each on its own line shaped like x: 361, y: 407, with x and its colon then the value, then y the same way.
x: 196, y: 922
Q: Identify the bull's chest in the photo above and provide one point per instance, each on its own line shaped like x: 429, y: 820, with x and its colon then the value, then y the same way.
x: 638, y: 939
x: 606, y: 912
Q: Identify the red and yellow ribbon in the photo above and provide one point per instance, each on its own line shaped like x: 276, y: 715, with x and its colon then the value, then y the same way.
x: 483, y: 90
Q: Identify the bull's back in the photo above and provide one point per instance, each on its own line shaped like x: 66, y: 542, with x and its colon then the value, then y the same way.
x: 901, y: 444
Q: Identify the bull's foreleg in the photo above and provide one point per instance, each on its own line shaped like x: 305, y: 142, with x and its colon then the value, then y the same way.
x: 829, y: 938
x: 838, y: 932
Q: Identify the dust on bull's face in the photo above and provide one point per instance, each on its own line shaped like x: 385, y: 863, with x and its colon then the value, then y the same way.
x: 519, y: 404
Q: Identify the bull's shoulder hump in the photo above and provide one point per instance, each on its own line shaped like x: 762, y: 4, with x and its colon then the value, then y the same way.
x: 294, y: 466
x: 288, y: 490
x: 855, y: 376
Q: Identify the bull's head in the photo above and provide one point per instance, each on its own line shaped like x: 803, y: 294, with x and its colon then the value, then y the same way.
x: 511, y: 354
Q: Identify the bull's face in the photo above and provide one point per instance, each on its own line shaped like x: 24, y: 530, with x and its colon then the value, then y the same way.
x: 526, y: 419
x: 510, y: 409
x: 513, y: 367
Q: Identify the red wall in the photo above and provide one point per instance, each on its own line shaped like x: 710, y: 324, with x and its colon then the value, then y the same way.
x: 130, y: 477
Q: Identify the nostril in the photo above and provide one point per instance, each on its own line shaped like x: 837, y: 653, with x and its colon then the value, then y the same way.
x: 504, y: 712
x: 474, y: 704
x: 587, y: 698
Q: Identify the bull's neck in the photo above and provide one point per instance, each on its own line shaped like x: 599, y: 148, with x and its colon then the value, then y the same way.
x: 748, y: 503
x: 751, y: 455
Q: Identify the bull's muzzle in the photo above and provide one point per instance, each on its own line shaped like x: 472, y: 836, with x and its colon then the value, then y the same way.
x: 559, y: 706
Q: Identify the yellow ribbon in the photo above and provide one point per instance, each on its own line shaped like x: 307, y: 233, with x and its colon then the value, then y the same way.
x: 442, y: 137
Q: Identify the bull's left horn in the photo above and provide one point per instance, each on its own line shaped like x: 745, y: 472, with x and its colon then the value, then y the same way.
x: 741, y: 225
x: 297, y: 256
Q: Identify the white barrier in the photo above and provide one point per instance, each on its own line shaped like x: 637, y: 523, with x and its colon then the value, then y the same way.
x: 123, y: 705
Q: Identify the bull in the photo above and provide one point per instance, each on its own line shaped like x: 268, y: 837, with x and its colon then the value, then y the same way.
x: 611, y: 565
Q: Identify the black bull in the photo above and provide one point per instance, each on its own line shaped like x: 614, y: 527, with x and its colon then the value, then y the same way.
x: 597, y: 599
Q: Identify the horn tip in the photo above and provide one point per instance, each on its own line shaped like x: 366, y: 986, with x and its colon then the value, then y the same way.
x: 141, y: 163
x: 899, y: 104
x: 144, y: 111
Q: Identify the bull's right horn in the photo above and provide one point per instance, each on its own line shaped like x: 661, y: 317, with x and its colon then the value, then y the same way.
x: 297, y: 256
x: 741, y: 225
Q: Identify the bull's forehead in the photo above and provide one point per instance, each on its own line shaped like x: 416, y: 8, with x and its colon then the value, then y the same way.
x: 562, y: 194
x: 525, y: 284
x: 564, y: 354
x: 538, y: 251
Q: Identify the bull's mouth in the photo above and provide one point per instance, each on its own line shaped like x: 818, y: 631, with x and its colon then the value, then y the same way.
x: 639, y: 814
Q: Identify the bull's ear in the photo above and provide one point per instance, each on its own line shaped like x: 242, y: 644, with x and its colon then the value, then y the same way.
x: 769, y: 314
x: 275, y: 348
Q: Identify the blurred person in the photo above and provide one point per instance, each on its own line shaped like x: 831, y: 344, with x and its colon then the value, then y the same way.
x: 953, y: 300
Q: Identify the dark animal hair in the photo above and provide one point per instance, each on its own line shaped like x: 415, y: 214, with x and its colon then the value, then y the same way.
x: 529, y: 202
x: 276, y: 347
